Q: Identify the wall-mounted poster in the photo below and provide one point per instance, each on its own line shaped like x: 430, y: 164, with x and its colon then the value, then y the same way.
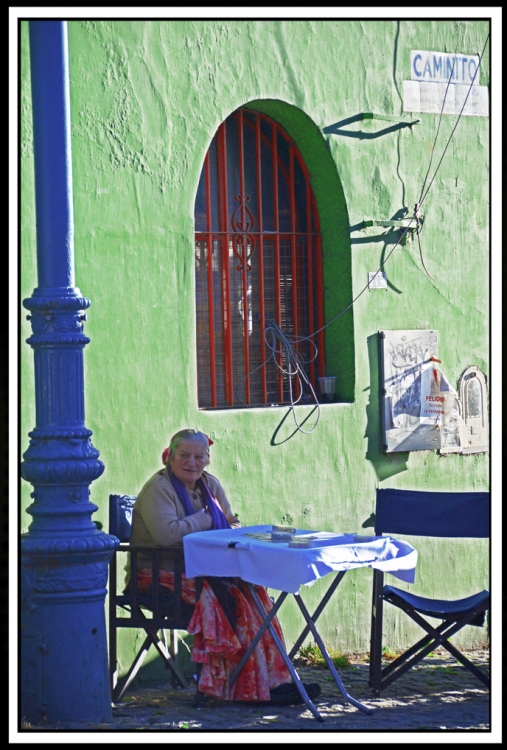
x: 413, y: 391
x: 419, y: 408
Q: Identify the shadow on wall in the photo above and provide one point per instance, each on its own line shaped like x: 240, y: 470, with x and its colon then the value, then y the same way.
x: 386, y: 464
x: 337, y: 127
x: 284, y: 432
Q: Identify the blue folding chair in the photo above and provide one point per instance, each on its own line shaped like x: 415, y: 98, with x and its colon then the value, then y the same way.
x: 435, y: 514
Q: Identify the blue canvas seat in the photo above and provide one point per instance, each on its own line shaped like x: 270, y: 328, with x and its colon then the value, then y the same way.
x: 154, y: 612
x: 437, y: 514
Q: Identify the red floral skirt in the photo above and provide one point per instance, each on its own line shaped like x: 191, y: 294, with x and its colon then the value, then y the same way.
x: 219, y: 648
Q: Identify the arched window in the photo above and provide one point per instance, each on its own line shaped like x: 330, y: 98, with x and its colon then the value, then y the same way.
x: 257, y: 260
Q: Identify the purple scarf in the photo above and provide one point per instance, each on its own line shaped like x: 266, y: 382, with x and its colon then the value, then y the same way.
x: 218, y: 519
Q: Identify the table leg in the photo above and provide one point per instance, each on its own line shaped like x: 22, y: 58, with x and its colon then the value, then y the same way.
x: 317, y: 612
x: 327, y: 658
x: 258, y: 636
x: 281, y: 649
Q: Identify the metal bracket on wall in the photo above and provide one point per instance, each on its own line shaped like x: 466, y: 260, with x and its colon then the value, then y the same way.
x: 388, y: 118
x: 410, y: 225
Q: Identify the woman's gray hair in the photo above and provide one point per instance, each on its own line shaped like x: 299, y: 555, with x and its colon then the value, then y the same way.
x: 188, y: 434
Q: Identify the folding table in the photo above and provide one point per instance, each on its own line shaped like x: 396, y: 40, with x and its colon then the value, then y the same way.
x: 250, y: 554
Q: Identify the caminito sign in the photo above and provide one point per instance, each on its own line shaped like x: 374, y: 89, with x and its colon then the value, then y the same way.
x: 443, y: 66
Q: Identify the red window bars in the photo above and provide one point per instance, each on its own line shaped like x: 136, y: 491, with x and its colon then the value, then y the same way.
x: 258, y: 259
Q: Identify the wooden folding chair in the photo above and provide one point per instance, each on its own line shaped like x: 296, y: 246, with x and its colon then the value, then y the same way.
x: 154, y: 612
x: 438, y: 514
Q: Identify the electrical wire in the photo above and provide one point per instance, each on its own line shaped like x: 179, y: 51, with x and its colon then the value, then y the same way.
x: 421, y: 255
x: 287, y: 348
x: 283, y: 346
x: 422, y: 197
x: 438, y: 130
x: 342, y: 312
x: 418, y: 204
x: 424, y: 194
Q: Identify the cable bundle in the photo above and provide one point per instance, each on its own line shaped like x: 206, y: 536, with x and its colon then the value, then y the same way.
x: 283, y: 346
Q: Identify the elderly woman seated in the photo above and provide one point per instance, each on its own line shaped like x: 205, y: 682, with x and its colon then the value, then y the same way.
x: 181, y: 499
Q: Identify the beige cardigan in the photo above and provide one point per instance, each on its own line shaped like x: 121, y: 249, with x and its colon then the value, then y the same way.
x: 159, y: 517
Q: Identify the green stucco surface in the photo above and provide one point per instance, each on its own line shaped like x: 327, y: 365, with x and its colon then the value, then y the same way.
x: 147, y: 98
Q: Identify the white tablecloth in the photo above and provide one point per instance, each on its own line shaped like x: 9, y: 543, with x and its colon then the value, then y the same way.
x: 235, y: 552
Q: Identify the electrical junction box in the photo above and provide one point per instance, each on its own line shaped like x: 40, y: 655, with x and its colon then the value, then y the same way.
x: 377, y: 280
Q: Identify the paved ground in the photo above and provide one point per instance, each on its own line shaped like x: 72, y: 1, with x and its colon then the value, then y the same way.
x: 438, y: 695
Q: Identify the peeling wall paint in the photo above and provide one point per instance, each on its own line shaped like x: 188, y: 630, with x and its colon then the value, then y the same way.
x: 147, y: 98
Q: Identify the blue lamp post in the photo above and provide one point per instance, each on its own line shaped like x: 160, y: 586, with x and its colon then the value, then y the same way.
x: 65, y: 558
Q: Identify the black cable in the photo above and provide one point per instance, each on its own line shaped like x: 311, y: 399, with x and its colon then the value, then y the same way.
x: 284, y: 345
x: 287, y: 342
x: 367, y: 285
x: 438, y: 130
x: 423, y: 197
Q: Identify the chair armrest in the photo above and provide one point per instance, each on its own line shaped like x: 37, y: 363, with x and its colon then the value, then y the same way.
x: 128, y: 546
x: 168, y: 607
x: 154, y: 551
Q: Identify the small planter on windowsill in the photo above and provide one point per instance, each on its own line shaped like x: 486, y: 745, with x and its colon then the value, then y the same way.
x: 327, y: 386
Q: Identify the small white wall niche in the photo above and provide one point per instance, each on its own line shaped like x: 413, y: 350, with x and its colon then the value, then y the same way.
x: 473, y: 397
x: 466, y: 431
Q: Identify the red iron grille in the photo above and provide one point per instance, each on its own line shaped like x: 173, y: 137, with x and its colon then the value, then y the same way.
x: 257, y: 256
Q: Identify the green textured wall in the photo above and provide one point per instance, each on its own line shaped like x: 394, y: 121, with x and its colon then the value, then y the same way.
x: 147, y: 98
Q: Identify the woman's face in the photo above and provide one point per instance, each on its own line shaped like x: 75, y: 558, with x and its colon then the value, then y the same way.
x: 189, y: 461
